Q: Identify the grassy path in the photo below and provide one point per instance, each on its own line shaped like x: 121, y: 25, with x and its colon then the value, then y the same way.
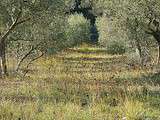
x: 85, y: 81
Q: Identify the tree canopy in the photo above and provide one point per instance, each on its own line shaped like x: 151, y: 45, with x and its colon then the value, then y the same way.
x: 55, y: 24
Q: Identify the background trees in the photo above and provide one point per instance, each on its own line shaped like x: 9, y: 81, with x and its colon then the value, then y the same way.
x: 135, y: 19
x: 30, y: 28
x: 77, y: 30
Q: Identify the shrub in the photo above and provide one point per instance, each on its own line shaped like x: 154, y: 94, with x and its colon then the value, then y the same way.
x: 116, y: 47
x: 77, y: 30
x: 103, y: 29
x: 111, y: 36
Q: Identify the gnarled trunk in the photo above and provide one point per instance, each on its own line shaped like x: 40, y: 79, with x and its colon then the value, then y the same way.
x: 0, y: 64
x: 158, y: 57
x: 3, y: 64
x: 155, y: 33
x: 138, y: 46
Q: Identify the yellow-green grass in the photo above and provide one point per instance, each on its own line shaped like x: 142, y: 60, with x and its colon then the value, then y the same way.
x: 81, y: 86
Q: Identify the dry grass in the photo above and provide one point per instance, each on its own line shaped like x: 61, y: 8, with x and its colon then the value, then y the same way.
x: 80, y: 85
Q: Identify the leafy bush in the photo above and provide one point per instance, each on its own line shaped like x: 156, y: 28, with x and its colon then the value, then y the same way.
x: 116, y: 47
x: 77, y: 30
x: 111, y: 36
x: 103, y: 29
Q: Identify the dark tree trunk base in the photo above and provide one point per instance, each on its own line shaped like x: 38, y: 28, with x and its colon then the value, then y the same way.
x: 3, y: 64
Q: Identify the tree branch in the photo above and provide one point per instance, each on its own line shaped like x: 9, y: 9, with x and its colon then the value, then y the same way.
x: 147, y: 32
x: 23, y: 21
x: 30, y: 62
x: 12, y: 27
x: 25, y: 56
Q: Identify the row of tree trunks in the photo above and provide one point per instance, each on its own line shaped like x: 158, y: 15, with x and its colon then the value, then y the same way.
x: 3, y: 64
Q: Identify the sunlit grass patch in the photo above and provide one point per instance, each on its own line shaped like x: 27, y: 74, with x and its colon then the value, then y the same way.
x: 81, y: 85
x: 134, y: 110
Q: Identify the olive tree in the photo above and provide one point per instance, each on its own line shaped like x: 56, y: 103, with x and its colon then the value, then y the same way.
x: 77, y: 30
x: 35, y: 21
x: 137, y: 18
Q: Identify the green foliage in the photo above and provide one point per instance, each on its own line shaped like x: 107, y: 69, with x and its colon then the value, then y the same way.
x: 103, y: 29
x: 116, y: 47
x: 43, y: 27
x: 73, y: 86
x: 77, y: 30
x: 112, y: 36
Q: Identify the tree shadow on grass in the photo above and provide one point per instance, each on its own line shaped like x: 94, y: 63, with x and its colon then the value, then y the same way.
x: 151, y: 79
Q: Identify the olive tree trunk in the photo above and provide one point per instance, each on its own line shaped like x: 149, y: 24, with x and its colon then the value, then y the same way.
x: 158, y: 57
x: 3, y: 64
